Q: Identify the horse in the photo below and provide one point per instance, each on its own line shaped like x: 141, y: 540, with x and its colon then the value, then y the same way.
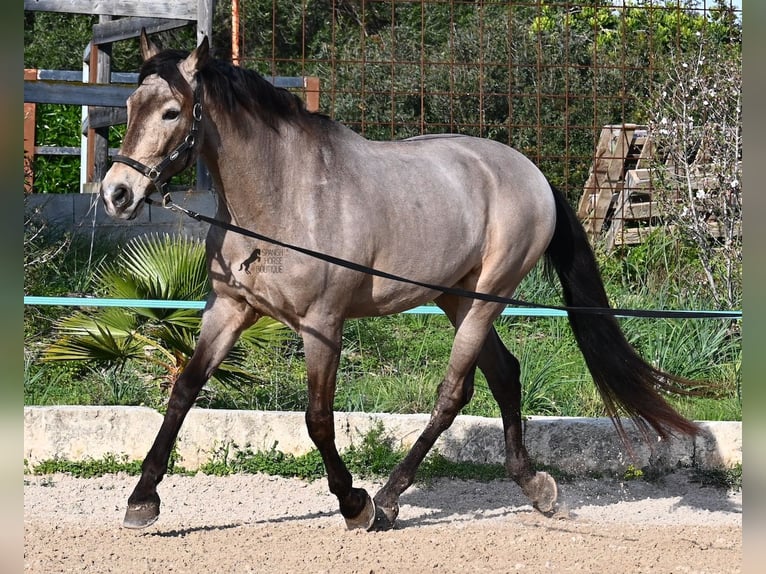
x: 447, y: 210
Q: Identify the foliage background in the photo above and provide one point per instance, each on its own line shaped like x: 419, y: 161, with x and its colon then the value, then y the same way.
x: 541, y: 76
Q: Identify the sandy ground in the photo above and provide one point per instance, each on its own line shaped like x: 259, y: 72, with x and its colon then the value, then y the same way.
x: 247, y: 523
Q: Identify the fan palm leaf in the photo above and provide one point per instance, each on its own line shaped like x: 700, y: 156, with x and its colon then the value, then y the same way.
x: 152, y: 267
x: 95, y: 343
x: 266, y: 331
x: 158, y: 267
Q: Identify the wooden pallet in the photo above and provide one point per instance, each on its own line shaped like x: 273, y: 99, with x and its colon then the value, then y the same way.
x: 618, y: 202
x: 637, y: 214
x: 621, y: 147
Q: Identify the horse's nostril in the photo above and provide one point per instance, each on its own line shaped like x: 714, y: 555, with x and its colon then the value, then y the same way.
x: 120, y: 196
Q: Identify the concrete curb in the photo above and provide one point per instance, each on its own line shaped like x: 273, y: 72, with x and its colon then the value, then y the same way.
x: 575, y: 445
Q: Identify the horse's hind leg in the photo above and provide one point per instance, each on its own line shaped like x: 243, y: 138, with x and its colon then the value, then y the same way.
x: 454, y: 392
x: 502, y: 372
x: 222, y: 324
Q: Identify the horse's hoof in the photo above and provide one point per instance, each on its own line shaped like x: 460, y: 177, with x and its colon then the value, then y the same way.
x: 365, y: 519
x: 542, y: 491
x: 384, y: 519
x: 141, y: 515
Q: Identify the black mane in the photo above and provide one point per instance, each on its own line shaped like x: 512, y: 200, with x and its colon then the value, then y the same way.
x: 233, y: 88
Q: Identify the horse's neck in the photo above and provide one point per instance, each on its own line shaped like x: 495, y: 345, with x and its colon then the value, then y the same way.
x: 252, y: 174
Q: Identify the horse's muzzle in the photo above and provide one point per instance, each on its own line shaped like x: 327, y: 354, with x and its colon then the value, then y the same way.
x: 120, y: 200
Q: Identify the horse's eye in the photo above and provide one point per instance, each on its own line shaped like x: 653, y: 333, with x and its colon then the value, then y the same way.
x: 170, y: 115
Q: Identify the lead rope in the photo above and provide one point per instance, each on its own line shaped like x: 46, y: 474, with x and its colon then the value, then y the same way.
x: 168, y: 203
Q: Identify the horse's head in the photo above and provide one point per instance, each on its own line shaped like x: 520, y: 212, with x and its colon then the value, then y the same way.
x: 162, y: 136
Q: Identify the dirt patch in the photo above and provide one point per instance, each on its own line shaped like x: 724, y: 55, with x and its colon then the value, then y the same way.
x: 258, y: 523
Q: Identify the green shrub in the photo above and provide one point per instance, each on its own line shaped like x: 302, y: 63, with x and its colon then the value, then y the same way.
x: 388, y: 364
x: 150, y: 267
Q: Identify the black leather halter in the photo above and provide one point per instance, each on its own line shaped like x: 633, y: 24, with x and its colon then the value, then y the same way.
x: 155, y: 173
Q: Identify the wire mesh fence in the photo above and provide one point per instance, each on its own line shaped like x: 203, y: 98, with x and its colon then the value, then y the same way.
x: 543, y: 77
x: 581, y: 88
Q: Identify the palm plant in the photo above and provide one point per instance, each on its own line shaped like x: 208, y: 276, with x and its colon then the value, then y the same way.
x: 152, y: 267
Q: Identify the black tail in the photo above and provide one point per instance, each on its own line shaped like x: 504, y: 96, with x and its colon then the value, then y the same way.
x: 625, y: 381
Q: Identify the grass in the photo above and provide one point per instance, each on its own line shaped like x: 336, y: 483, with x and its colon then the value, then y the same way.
x: 80, y: 384
x: 87, y: 468
x: 394, y: 364
x: 724, y: 478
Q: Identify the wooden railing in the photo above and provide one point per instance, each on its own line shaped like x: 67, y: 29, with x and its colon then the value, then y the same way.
x: 105, y: 105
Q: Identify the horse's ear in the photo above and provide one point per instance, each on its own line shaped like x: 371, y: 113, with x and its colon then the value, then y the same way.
x: 196, y: 60
x: 148, y: 48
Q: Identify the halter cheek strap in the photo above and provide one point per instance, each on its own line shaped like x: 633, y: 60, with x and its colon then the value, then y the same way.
x: 155, y: 173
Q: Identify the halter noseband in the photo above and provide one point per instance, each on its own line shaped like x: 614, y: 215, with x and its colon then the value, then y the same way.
x: 155, y: 173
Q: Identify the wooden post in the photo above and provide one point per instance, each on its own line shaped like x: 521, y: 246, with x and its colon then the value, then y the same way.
x: 205, y: 10
x: 98, y: 138
x: 84, y: 119
x: 29, y: 137
x: 235, y: 32
x: 204, y: 28
x: 311, y: 85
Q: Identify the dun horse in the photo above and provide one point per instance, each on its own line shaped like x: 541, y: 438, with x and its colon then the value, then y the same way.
x: 454, y: 211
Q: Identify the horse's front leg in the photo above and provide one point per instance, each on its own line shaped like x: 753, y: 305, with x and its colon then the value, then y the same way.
x: 322, y: 345
x: 222, y: 323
